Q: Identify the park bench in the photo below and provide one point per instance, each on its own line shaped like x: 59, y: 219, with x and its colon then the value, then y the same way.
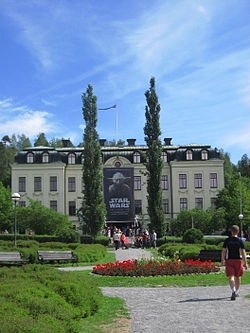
x: 11, y: 258
x: 57, y: 256
x: 214, y: 255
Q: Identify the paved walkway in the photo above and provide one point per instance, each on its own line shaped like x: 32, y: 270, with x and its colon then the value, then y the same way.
x: 196, y: 310
x: 120, y: 255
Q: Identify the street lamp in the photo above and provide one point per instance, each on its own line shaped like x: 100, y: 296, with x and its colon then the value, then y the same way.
x: 15, y: 197
x: 241, y: 215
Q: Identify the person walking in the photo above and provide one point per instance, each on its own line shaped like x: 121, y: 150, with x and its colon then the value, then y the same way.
x: 116, y: 238
x: 231, y: 253
x: 154, y: 238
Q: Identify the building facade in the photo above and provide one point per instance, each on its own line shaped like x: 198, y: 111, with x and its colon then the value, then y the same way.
x: 192, y: 177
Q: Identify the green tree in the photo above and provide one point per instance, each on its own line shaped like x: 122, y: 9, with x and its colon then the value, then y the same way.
x: 41, y: 141
x: 55, y: 143
x: 41, y: 219
x: 93, y: 208
x: 154, y: 162
x: 229, y: 199
x: 244, y: 166
x: 23, y: 142
x: 6, y: 209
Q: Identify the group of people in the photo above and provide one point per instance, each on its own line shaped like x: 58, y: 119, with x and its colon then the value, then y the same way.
x: 146, y: 240
x: 119, y: 239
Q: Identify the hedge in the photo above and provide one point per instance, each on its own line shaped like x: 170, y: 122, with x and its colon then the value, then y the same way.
x: 65, y: 238
x: 85, y: 252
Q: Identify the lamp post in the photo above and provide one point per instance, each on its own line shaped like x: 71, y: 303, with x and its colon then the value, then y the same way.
x: 15, y: 197
x: 240, y: 215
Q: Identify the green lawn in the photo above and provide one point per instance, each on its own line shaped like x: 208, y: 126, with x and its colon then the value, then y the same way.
x: 192, y: 280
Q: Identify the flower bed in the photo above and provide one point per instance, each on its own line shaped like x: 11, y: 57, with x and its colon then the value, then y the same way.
x: 153, y: 268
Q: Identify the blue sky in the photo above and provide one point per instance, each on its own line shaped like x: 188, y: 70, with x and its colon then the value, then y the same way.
x: 198, y: 51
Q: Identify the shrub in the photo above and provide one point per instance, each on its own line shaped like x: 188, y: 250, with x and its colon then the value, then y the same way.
x: 193, y: 236
x: 214, y: 240
x: 87, y: 239
x: 40, y: 299
x: 68, y: 236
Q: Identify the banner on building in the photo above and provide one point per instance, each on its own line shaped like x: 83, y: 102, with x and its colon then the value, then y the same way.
x: 119, y: 193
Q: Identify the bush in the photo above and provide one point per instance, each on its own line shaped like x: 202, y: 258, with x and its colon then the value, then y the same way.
x: 40, y: 299
x: 87, y: 239
x: 214, y: 240
x: 68, y: 236
x: 193, y: 236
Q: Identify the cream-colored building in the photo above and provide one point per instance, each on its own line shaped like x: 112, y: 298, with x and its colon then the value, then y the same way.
x: 192, y: 176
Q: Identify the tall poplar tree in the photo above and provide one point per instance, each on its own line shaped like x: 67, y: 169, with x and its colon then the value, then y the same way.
x: 93, y: 207
x: 154, y: 163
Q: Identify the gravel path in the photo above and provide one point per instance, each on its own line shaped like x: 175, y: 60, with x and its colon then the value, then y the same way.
x: 132, y: 253
x: 200, y: 309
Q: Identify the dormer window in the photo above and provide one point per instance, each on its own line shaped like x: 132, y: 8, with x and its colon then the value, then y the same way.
x: 82, y: 158
x: 30, y: 158
x: 189, y: 155
x: 71, y: 158
x: 45, y: 158
x: 204, y: 155
x: 137, y: 158
x: 164, y: 156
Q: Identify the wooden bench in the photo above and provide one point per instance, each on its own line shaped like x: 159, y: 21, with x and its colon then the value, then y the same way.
x: 214, y: 255
x: 57, y: 256
x: 11, y: 258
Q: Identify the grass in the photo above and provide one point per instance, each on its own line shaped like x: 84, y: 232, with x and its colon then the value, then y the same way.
x: 192, y: 280
x: 108, y: 317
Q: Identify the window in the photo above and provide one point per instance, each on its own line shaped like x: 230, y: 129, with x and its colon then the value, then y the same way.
x: 22, y: 203
x: 183, y: 181
x: 183, y: 203
x: 117, y: 164
x: 164, y: 156
x: 45, y: 158
x: 213, y: 202
x: 213, y: 180
x: 189, y: 155
x: 138, y: 207
x: 72, y: 208
x: 165, y: 206
x: 137, y: 157
x: 71, y: 184
x: 30, y: 158
x: 83, y: 185
x: 198, y: 180
x: 82, y: 158
x: 71, y: 158
x: 53, y: 204
x: 53, y: 183
x: 137, y: 183
x: 22, y: 184
x: 204, y: 155
x: 37, y: 184
x: 199, y: 203
x: 164, y: 182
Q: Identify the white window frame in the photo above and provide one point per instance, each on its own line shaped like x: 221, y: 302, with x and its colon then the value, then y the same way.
x: 137, y: 157
x: 164, y: 156
x: 204, y: 155
x: 71, y: 158
x: 45, y: 157
x: 30, y: 158
x: 189, y: 155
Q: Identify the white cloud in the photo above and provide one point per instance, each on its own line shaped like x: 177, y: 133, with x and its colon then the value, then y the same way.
x: 239, y: 138
x: 22, y: 119
x: 48, y: 103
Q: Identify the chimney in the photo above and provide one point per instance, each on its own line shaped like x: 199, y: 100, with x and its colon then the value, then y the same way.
x: 167, y: 141
x: 102, y: 142
x: 131, y: 142
x: 66, y: 143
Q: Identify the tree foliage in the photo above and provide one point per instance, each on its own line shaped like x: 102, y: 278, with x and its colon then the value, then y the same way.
x: 244, y: 166
x: 6, y: 209
x: 154, y: 162
x: 229, y: 199
x: 93, y: 208
x: 41, y: 220
x: 207, y: 221
x: 41, y: 141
